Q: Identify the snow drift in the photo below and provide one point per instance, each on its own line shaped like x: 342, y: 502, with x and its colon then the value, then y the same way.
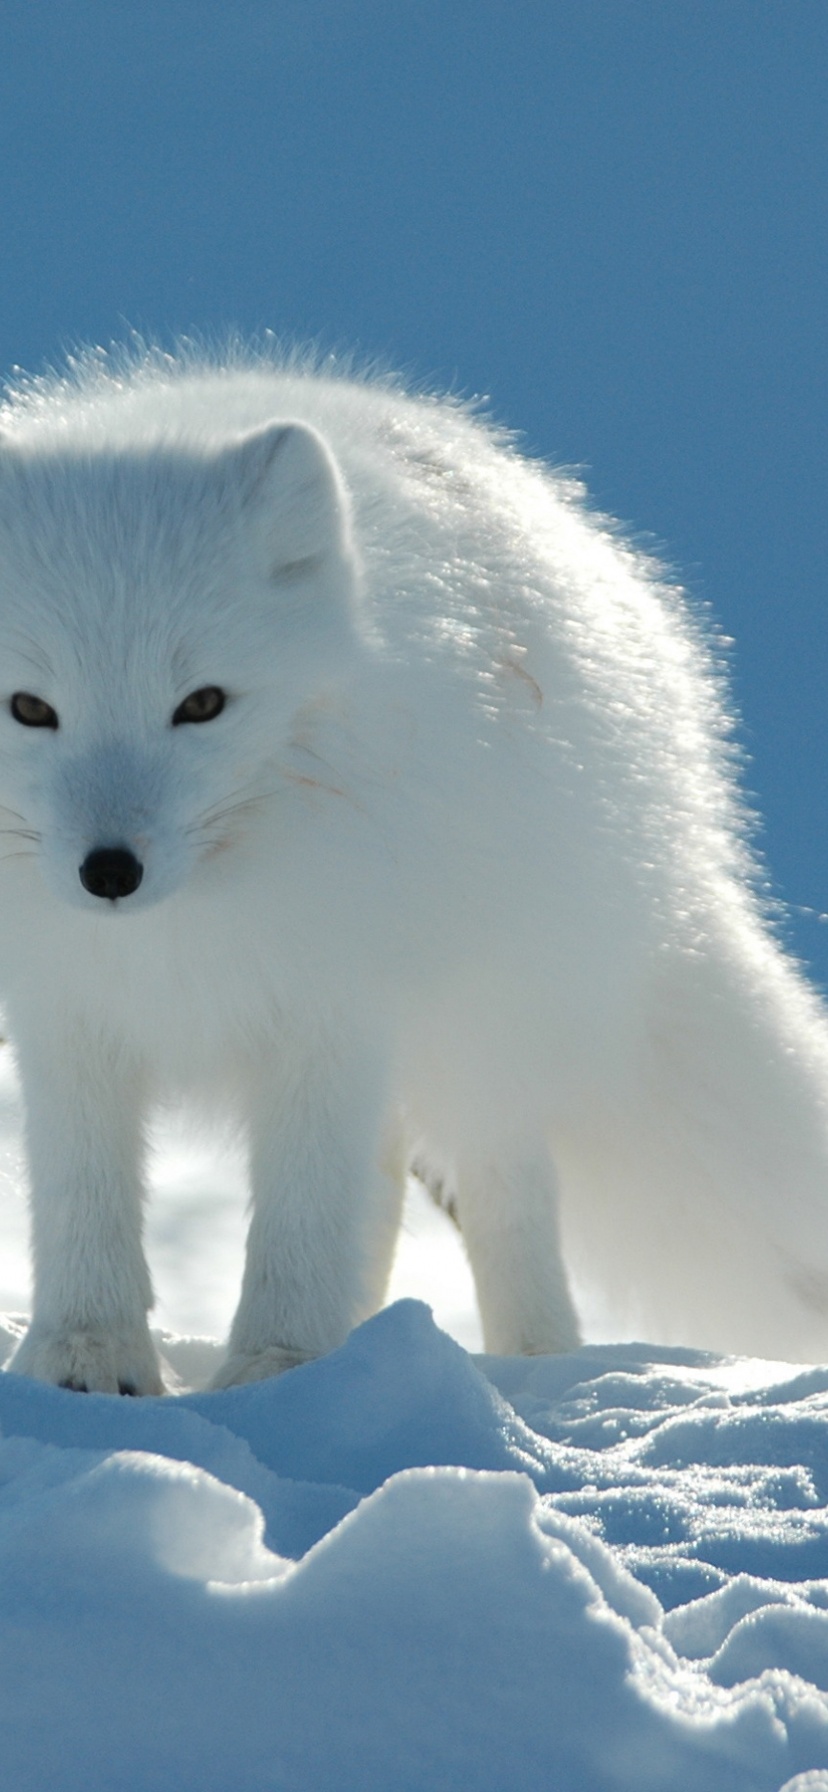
x: 401, y: 1567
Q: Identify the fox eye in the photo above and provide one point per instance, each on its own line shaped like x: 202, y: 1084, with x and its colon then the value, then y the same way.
x: 200, y: 706
x: 33, y: 712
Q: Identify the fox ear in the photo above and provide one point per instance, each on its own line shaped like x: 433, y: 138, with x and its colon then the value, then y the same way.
x: 291, y: 491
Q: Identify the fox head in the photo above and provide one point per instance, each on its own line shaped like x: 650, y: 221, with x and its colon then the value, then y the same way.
x: 166, y: 613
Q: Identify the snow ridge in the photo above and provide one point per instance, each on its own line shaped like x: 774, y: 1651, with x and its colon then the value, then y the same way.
x: 401, y: 1566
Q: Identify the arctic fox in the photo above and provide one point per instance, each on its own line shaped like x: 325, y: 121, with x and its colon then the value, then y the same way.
x: 360, y: 784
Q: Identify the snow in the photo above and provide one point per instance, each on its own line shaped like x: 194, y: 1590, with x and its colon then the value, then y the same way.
x: 405, y: 1565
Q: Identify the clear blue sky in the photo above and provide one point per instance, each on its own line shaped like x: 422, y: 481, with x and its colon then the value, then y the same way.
x: 609, y: 215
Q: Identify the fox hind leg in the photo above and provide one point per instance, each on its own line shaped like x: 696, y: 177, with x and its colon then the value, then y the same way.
x: 506, y: 1204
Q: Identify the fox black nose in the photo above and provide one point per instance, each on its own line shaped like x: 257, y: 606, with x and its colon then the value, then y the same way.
x: 111, y: 871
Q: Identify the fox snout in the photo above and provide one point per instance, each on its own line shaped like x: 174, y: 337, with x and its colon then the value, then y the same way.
x: 111, y: 872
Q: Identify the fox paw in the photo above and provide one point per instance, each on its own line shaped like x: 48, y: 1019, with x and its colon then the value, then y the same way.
x: 89, y: 1361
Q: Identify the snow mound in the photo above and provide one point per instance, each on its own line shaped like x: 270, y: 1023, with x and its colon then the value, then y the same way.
x: 405, y: 1567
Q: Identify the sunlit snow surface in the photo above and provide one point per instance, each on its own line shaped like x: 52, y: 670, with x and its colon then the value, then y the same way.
x: 403, y: 1567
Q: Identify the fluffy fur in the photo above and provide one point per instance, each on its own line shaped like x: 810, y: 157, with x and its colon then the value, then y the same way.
x: 457, y: 873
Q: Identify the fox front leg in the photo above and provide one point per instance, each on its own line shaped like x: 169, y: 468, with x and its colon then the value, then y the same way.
x: 92, y: 1289
x: 325, y: 1213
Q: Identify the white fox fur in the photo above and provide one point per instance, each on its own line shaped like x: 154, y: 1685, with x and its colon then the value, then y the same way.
x: 458, y: 872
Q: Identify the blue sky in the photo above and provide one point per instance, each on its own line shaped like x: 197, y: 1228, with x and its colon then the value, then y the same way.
x: 611, y: 216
